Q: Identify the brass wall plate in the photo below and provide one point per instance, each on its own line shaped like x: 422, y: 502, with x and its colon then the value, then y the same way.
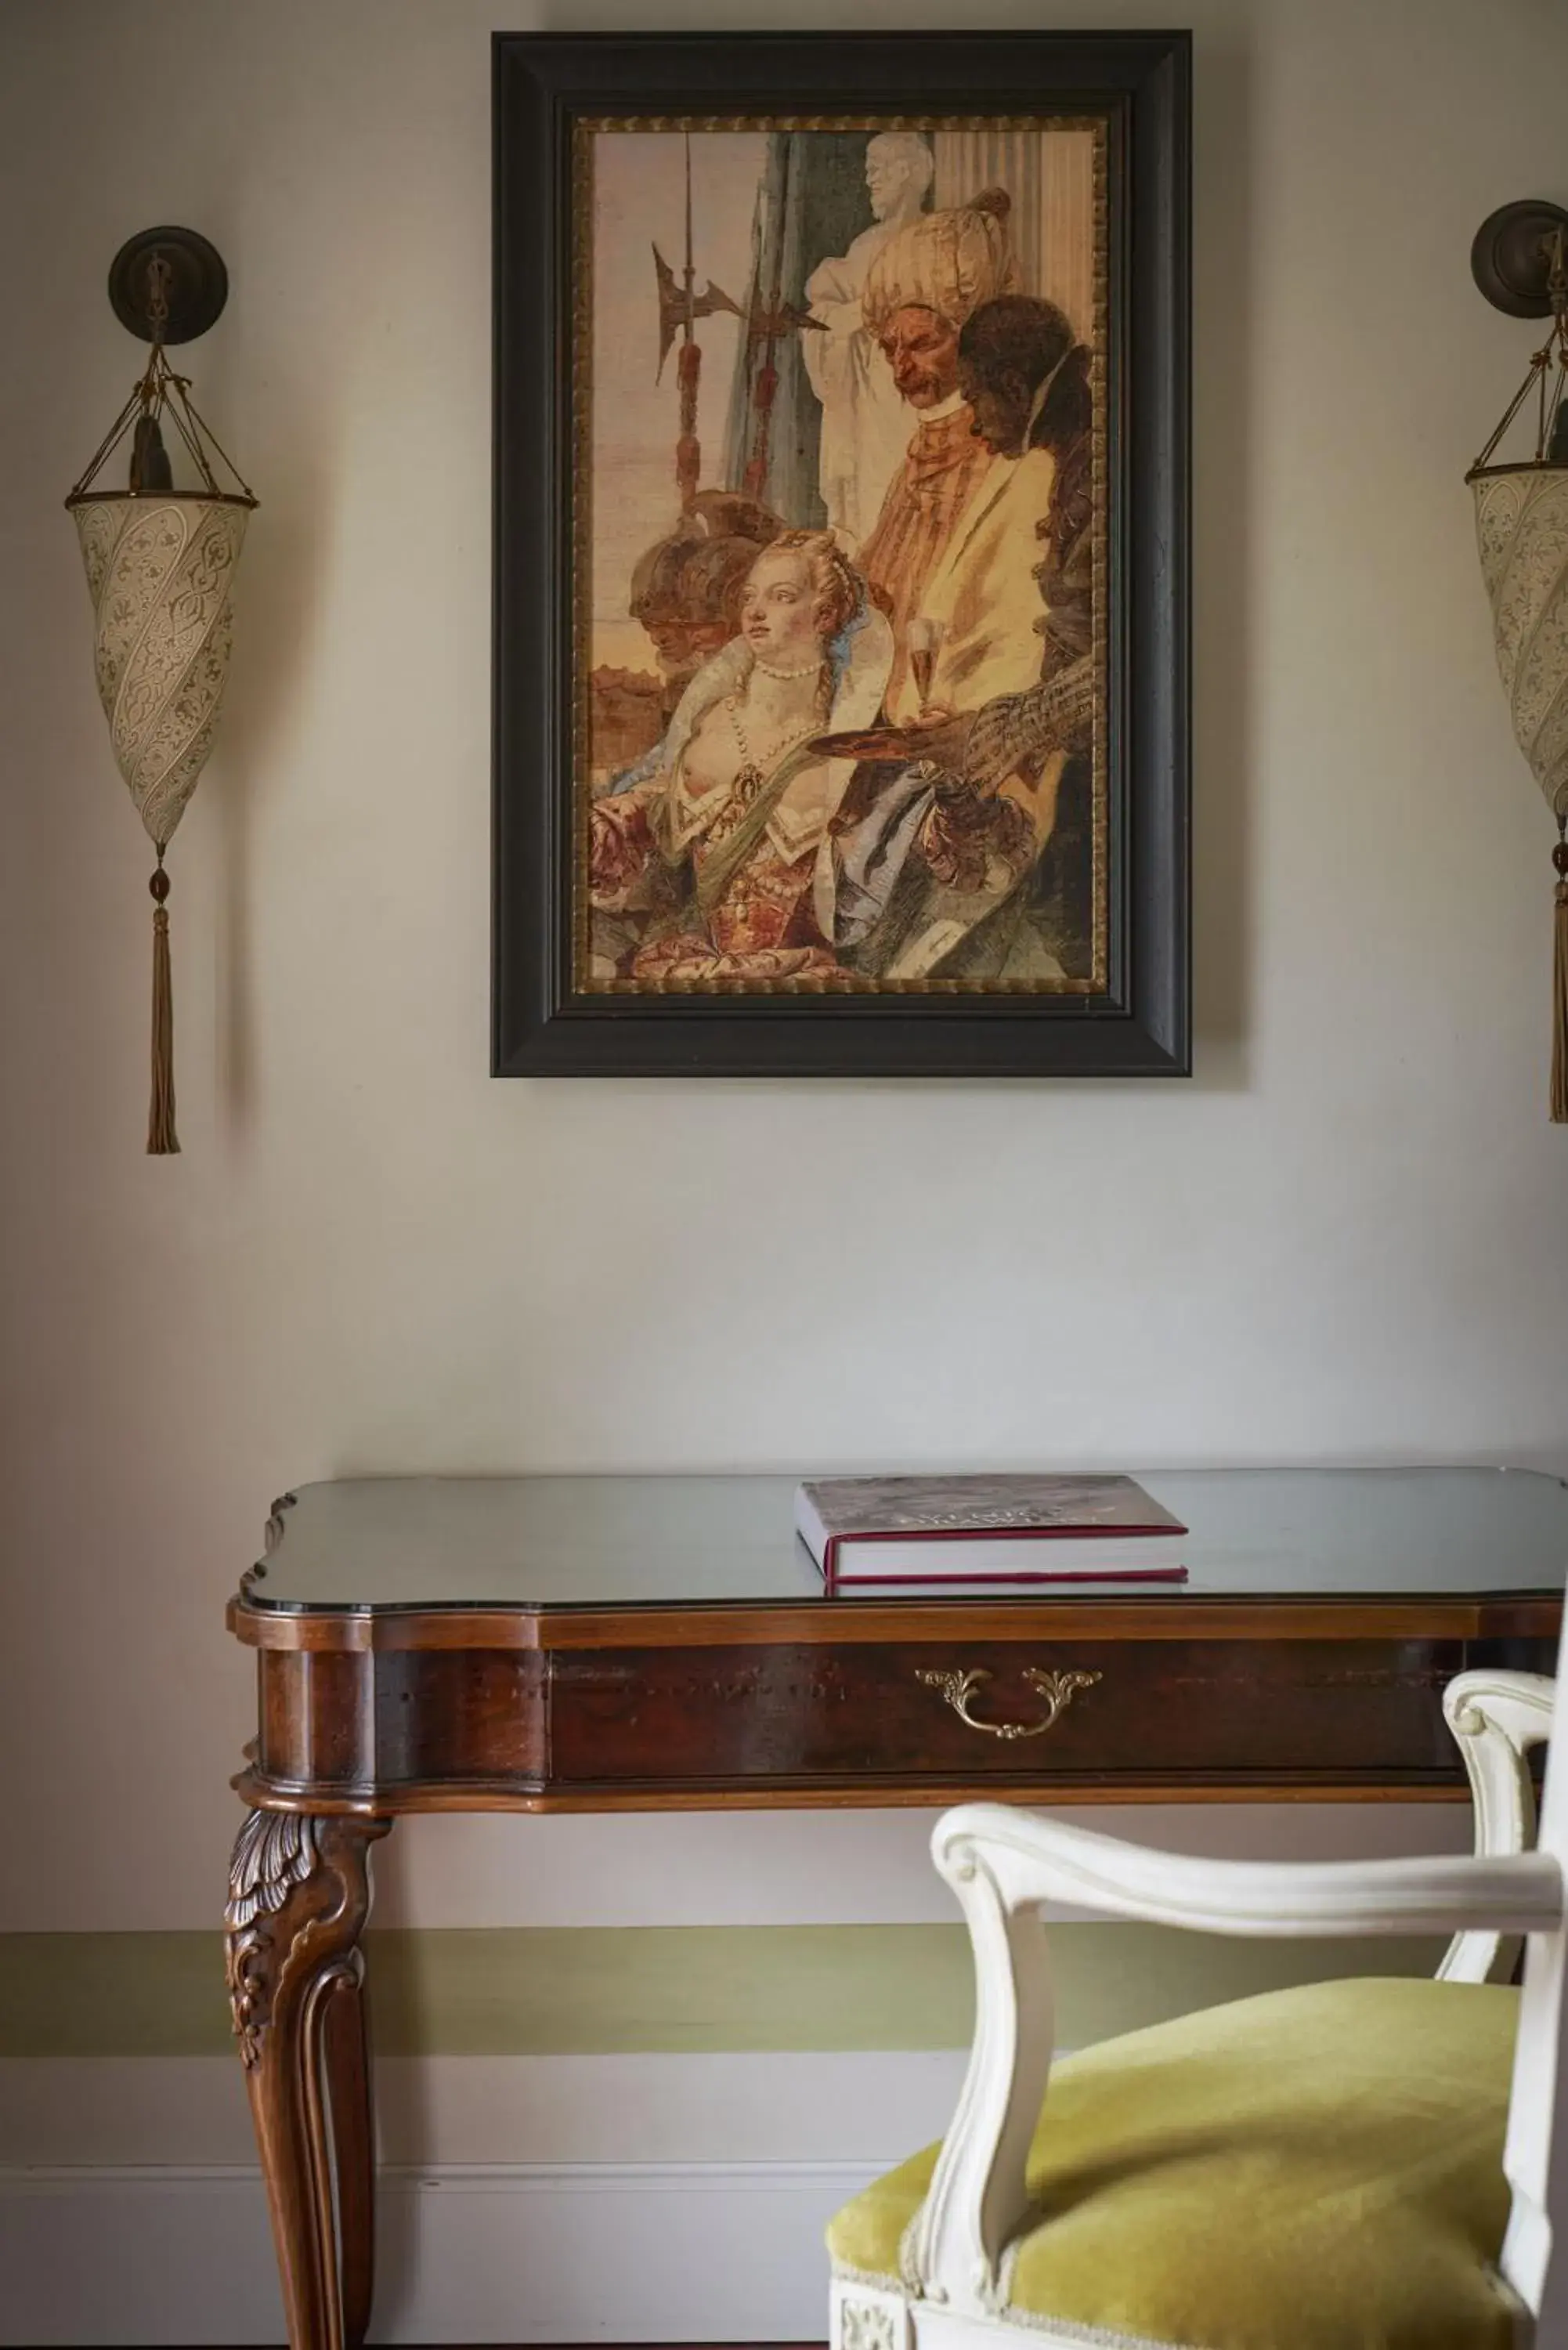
x: 197, y: 290
x: 1510, y: 259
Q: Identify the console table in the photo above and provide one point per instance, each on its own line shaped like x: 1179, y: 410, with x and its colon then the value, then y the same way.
x: 548, y: 1644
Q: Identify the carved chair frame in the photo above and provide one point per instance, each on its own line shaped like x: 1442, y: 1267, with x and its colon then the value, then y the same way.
x: 1003, y: 1865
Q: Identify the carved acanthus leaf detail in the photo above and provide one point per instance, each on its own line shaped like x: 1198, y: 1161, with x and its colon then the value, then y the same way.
x: 274, y: 1852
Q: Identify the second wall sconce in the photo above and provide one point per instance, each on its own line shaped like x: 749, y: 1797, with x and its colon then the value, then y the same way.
x: 160, y: 569
x: 1519, y: 261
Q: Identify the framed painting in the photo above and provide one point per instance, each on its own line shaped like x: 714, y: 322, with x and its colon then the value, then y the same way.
x: 841, y: 489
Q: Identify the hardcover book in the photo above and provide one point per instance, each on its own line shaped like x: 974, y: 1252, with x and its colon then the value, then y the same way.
x: 989, y: 1529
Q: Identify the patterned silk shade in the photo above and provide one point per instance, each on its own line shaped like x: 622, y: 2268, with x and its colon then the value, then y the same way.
x: 1520, y: 262
x: 1521, y: 525
x: 160, y: 570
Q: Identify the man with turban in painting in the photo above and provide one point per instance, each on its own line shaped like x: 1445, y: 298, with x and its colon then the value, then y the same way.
x: 934, y: 867
x: 922, y: 286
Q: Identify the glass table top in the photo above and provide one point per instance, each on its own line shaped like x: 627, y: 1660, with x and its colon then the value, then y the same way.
x: 378, y: 1543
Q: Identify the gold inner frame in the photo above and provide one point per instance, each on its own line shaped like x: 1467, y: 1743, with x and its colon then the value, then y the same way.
x: 585, y: 129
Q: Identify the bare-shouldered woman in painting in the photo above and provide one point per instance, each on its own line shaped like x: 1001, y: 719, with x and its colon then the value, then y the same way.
x: 708, y: 863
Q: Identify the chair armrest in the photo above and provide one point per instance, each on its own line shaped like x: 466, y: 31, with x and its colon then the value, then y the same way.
x: 1003, y: 1864
x: 1497, y: 1717
x: 1032, y: 1859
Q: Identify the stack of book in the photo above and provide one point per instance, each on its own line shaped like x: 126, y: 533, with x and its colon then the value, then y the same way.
x: 985, y: 1529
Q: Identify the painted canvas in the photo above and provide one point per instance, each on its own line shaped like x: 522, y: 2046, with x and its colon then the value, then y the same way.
x: 842, y: 481
x: 841, y: 546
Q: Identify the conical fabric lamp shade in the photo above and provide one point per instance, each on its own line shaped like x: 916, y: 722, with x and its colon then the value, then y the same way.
x: 159, y: 571
x: 1521, y: 525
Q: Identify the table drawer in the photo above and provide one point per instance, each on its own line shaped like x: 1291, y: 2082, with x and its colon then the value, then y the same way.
x: 1059, y: 1709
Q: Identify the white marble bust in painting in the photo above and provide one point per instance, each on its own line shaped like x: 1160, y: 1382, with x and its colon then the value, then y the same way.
x: 864, y: 424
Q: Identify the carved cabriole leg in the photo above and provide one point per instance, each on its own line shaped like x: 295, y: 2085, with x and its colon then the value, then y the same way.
x: 299, y: 1893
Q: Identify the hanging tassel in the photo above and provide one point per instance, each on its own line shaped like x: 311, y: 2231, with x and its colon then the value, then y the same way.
x: 1559, y: 982
x: 162, y: 1137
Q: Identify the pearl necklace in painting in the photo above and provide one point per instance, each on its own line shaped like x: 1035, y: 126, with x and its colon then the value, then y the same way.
x: 807, y: 669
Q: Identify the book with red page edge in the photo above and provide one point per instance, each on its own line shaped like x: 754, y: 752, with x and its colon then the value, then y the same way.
x: 989, y: 1581
x: 993, y: 1529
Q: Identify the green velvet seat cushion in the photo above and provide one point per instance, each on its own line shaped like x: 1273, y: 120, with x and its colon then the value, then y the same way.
x: 1318, y: 2168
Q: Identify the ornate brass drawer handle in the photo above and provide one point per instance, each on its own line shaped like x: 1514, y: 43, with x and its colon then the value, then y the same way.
x: 1058, y: 1690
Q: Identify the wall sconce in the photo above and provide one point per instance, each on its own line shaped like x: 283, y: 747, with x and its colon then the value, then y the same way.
x: 160, y: 567
x: 1519, y: 261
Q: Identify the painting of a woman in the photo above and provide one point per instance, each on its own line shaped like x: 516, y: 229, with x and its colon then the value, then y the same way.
x: 706, y: 865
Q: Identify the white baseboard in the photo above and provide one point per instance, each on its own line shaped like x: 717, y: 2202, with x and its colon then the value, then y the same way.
x: 637, y: 2252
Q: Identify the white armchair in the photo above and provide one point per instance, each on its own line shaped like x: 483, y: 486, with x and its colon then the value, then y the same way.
x: 1322, y: 2166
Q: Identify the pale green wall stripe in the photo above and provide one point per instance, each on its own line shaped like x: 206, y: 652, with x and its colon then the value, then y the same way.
x: 111, y: 1995
x: 673, y: 1989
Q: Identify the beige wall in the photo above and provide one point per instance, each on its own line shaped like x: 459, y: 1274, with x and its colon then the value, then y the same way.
x: 1342, y: 1240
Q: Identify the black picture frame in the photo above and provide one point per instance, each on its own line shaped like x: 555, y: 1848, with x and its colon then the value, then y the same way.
x: 1140, y: 1026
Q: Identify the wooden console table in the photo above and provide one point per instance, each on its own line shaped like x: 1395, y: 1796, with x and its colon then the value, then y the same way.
x: 549, y: 1644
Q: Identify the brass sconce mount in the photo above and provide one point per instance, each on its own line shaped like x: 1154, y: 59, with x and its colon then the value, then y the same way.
x: 1511, y: 257
x: 168, y: 285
